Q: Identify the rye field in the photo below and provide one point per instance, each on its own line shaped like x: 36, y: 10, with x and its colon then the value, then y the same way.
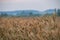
x: 30, y: 28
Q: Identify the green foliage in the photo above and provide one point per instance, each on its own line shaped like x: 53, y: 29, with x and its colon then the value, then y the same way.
x: 58, y: 12
x: 3, y: 15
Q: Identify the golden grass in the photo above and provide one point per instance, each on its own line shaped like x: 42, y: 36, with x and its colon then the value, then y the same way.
x: 36, y: 28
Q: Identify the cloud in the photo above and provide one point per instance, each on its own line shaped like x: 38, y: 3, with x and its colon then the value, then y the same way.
x: 14, y: 1
x: 29, y: 4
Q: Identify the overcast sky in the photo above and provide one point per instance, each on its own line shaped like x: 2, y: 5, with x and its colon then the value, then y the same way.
x: 9, y: 5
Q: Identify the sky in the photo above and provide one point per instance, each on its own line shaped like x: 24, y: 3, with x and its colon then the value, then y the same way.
x: 10, y: 5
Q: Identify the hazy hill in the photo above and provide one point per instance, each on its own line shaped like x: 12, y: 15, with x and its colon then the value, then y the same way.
x: 29, y: 12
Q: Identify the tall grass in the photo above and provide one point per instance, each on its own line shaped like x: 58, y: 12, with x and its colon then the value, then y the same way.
x: 32, y: 28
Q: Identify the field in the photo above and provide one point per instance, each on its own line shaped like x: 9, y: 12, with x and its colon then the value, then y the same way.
x: 30, y: 28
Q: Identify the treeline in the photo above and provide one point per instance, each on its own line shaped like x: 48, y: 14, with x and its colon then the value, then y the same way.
x: 18, y: 15
x: 4, y: 14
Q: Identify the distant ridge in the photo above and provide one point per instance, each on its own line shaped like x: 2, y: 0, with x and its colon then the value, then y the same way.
x: 27, y: 12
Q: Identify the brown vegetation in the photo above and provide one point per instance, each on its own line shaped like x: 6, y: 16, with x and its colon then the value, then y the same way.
x: 32, y: 28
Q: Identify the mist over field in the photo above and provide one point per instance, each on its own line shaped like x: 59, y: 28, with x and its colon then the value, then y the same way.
x: 28, y: 13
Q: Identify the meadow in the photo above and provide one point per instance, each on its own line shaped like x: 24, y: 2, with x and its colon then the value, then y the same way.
x: 30, y: 28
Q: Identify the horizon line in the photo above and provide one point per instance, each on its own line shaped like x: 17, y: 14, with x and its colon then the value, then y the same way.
x: 30, y: 9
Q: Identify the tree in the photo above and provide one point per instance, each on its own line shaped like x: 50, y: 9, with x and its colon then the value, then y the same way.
x: 30, y: 13
x: 58, y: 12
x: 3, y: 14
